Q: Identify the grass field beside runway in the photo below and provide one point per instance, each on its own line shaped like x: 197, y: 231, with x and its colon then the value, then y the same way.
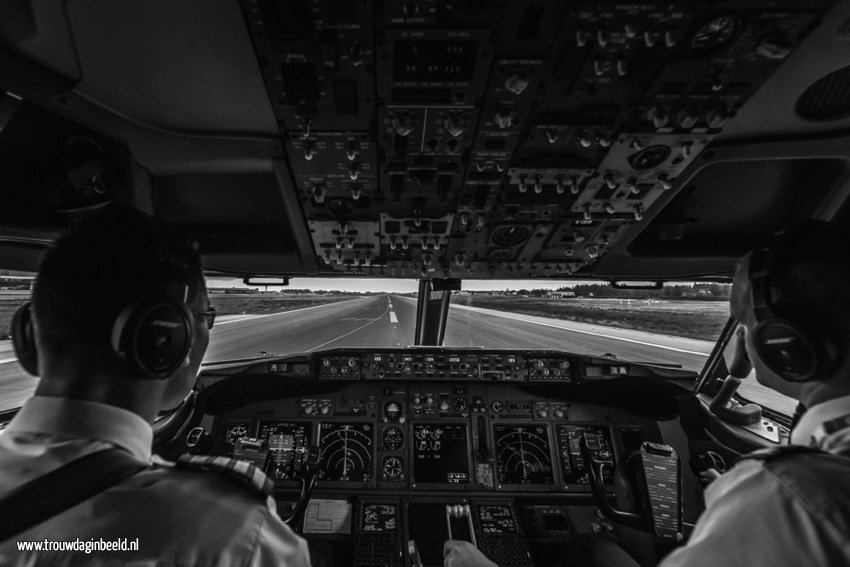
x: 224, y: 303
x: 693, y: 319
x: 254, y: 304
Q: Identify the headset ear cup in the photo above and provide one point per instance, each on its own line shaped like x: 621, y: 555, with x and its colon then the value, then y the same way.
x: 23, y: 339
x: 787, y: 349
x: 154, y: 338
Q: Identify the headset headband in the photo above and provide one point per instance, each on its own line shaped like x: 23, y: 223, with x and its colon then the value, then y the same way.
x: 760, y: 261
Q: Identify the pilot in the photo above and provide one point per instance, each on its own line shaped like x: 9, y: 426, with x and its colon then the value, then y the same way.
x: 788, y: 505
x: 117, y: 328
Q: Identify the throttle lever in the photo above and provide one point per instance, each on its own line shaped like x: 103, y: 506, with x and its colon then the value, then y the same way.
x: 460, y: 511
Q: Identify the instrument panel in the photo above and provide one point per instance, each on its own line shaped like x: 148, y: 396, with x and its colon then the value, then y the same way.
x: 432, y: 443
x: 435, y: 436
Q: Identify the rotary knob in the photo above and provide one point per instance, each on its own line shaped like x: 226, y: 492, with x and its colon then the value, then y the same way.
x: 659, y: 115
x: 516, y: 82
x: 504, y: 118
x: 687, y: 117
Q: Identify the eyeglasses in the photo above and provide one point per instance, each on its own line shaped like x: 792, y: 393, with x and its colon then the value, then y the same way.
x: 209, y: 315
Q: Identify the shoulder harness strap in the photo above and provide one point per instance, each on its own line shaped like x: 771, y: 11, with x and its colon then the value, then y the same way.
x: 243, y: 473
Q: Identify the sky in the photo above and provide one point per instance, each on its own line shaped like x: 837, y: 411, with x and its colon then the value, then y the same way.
x: 396, y: 285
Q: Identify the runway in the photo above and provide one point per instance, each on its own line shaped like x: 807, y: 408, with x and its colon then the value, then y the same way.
x: 389, y: 321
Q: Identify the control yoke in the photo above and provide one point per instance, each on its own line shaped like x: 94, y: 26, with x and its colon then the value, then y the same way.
x: 724, y: 405
x: 307, y: 478
x: 596, y: 474
x: 655, y: 474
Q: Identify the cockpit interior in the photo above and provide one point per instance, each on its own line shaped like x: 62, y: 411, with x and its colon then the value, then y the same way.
x: 447, y: 145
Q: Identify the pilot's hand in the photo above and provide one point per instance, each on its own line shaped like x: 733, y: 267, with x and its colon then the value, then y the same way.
x: 458, y: 553
x: 710, y: 475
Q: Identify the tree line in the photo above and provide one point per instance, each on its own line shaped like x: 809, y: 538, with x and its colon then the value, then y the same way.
x: 714, y: 291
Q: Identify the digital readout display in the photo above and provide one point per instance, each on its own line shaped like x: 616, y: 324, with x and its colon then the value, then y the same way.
x: 379, y: 518
x: 440, y: 454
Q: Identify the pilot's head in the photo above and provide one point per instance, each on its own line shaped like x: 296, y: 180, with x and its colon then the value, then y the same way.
x: 120, y: 303
x: 792, y: 294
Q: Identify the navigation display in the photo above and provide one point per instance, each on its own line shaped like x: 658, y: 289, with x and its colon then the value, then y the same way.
x: 523, y: 454
x: 346, y: 451
x: 288, y: 443
x: 440, y: 454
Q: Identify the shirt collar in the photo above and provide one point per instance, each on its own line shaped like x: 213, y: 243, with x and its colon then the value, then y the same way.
x: 90, y: 420
x: 822, y: 421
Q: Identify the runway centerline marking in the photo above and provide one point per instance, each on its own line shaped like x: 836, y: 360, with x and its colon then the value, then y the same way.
x: 378, y: 318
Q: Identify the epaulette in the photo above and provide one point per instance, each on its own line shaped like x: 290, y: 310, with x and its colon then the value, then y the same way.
x: 241, y: 472
x: 772, y: 453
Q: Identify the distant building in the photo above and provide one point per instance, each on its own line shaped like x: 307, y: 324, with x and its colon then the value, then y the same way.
x: 560, y: 294
x: 698, y: 293
x: 16, y: 280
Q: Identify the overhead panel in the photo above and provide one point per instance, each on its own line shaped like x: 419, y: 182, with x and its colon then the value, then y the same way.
x: 502, y: 139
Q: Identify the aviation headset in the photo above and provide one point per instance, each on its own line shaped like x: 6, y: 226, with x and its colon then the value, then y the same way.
x: 787, y: 341
x: 152, y: 335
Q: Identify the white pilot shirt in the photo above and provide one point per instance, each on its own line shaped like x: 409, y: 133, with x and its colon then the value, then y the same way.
x: 754, y: 517
x: 180, y: 517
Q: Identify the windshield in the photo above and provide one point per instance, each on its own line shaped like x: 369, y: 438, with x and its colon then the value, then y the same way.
x: 15, y: 384
x: 676, y: 325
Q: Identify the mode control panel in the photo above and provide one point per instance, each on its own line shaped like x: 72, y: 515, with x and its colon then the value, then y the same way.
x: 447, y: 364
x: 463, y: 365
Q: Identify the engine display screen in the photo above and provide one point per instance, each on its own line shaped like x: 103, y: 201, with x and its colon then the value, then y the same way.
x: 440, y: 454
x: 288, y: 443
x: 496, y: 519
x: 379, y: 518
x: 523, y: 454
